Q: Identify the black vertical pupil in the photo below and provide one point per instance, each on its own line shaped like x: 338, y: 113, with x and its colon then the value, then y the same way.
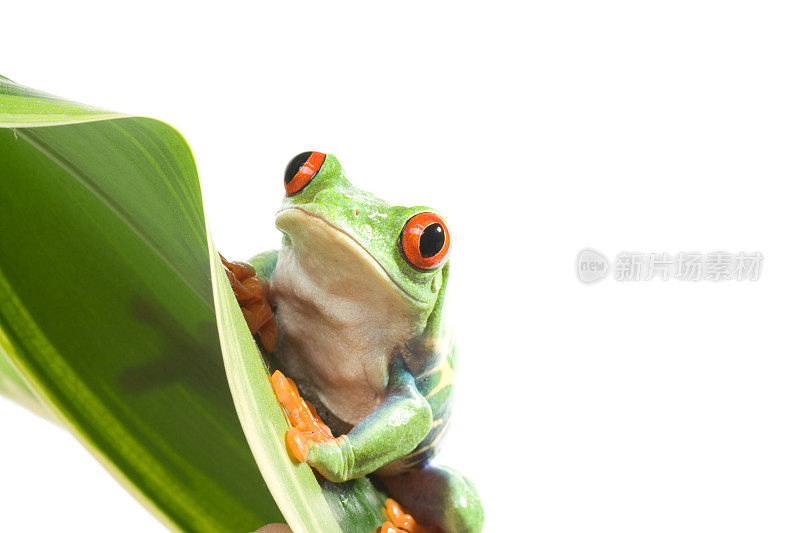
x: 431, y: 241
x: 294, y: 165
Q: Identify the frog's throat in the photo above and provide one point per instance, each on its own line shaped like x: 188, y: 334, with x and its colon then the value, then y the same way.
x: 357, y: 247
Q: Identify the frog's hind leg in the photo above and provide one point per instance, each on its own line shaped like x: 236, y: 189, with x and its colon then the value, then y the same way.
x: 439, y: 498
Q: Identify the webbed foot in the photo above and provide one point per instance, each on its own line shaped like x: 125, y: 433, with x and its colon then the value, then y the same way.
x: 251, y: 292
x: 400, y: 521
x: 309, y: 439
x: 438, y: 497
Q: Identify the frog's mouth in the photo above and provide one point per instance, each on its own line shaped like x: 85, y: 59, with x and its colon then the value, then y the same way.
x: 301, y: 225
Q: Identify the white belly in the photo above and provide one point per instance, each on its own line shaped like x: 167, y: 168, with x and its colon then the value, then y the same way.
x: 340, y: 317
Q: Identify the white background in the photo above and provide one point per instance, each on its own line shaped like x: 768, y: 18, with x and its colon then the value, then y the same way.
x: 538, y: 130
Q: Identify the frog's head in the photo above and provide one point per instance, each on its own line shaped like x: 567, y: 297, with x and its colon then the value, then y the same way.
x: 403, y: 249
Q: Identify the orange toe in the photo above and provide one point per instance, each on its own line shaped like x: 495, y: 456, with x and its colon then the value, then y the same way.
x: 298, y: 443
x: 269, y: 335
x: 252, y: 293
x: 307, y: 427
x: 280, y: 384
x: 399, y: 520
x: 238, y: 269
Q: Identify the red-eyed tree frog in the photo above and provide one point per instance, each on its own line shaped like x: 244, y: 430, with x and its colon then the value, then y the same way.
x: 354, y: 314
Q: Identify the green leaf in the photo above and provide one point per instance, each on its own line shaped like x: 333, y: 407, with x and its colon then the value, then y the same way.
x: 112, y: 323
x: 22, y: 107
x: 262, y: 416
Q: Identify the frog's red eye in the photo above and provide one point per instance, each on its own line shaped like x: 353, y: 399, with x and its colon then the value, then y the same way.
x: 425, y: 241
x: 301, y: 170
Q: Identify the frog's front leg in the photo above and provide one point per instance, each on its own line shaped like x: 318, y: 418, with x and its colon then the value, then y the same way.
x: 252, y: 291
x: 393, y: 430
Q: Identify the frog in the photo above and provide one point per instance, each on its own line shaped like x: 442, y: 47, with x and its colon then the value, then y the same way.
x: 353, y: 312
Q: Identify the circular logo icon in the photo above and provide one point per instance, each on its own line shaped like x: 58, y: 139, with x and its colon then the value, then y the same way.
x: 591, y: 266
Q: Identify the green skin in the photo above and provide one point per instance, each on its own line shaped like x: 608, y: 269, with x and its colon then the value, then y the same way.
x: 362, y: 333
